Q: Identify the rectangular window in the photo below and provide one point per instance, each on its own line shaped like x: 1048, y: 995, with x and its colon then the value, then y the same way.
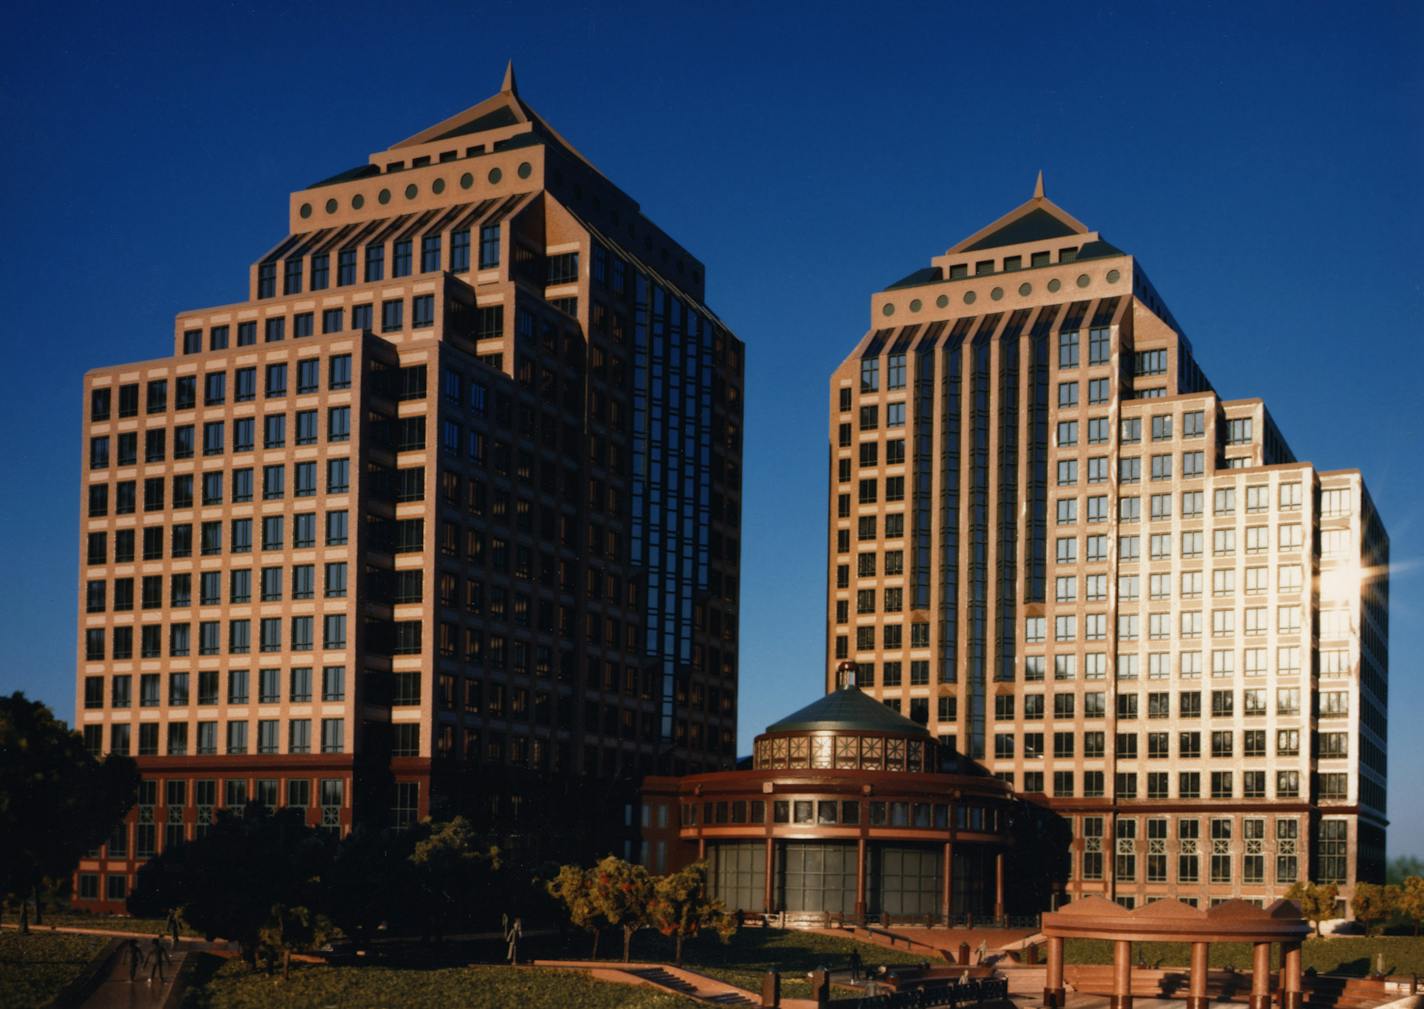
x: 392, y: 316
x: 430, y: 253
x: 489, y: 246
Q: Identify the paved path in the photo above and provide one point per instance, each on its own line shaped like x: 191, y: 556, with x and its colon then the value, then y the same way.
x: 116, y: 991
x: 668, y: 978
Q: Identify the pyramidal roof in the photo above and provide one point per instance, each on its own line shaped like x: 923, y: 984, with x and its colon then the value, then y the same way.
x: 503, y: 109
x: 1036, y: 219
x: 848, y: 708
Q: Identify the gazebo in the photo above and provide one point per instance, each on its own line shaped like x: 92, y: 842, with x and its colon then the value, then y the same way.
x: 1174, y: 921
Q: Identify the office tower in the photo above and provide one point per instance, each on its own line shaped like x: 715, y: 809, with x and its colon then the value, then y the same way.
x: 442, y: 517
x: 1053, y: 543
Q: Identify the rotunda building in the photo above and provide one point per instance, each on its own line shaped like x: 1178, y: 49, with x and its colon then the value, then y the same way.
x: 846, y: 810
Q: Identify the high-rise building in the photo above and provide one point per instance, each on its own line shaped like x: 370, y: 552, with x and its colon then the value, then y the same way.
x: 1055, y: 545
x: 443, y: 516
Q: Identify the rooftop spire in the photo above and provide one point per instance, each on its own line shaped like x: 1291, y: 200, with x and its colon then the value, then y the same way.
x: 1038, y: 186
x: 509, y: 87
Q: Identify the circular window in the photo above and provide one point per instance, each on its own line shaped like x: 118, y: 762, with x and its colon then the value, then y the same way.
x: 1113, y: 276
x: 1082, y: 280
x: 969, y: 297
x: 525, y: 169
x: 1025, y: 289
x: 358, y: 201
x: 996, y: 293
x: 889, y: 309
x: 466, y: 181
x: 438, y: 186
x: 411, y: 191
x: 1055, y: 284
x: 942, y: 301
x: 384, y: 196
x: 331, y: 206
x: 495, y: 175
x: 916, y: 305
x: 305, y: 210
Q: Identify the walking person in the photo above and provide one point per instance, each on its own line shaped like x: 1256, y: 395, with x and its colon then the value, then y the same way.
x: 512, y: 936
x: 171, y: 924
x: 159, y: 956
x: 132, y: 950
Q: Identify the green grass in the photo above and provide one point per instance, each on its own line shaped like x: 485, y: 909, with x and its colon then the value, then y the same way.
x: 234, y: 986
x: 752, y: 952
x: 110, y: 922
x: 1351, y: 955
x: 34, y: 967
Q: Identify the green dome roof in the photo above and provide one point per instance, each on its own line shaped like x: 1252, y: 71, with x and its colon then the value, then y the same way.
x: 850, y: 709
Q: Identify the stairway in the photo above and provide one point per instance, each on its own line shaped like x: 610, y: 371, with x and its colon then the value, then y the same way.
x: 664, y: 978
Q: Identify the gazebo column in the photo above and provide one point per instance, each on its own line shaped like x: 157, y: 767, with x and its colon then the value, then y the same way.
x: 946, y: 899
x: 860, y: 879
x: 1122, y: 975
x: 767, y: 886
x: 1053, y: 980
x: 1290, y: 975
x: 701, y: 848
x: 1196, y: 991
x: 1261, y: 975
x: 999, y: 885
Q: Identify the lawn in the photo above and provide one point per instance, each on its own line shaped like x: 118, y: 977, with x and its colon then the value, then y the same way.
x: 1352, y: 955
x: 236, y: 987
x: 752, y: 952
x: 34, y: 967
x: 111, y: 922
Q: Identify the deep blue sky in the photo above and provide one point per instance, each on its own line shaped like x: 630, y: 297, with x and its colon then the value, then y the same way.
x: 1263, y: 161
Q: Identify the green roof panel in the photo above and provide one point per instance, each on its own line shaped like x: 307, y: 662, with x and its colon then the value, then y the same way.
x: 848, y: 708
x: 1036, y: 226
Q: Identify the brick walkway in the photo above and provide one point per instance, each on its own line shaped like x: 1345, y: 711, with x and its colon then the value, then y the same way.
x: 116, y: 991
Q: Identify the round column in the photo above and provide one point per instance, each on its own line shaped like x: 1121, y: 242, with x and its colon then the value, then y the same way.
x: 769, y: 883
x: 999, y: 885
x: 1122, y: 975
x: 860, y: 879
x: 1291, y: 996
x: 1261, y: 975
x: 1053, y: 981
x: 1196, y: 992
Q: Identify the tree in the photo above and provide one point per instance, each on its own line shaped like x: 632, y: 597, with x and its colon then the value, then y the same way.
x: 682, y: 907
x: 56, y: 800
x: 1316, y: 902
x: 1373, y: 904
x: 228, y: 880
x: 1411, y: 900
x: 292, y: 930
x: 364, y: 884
x: 622, y: 891
x: 446, y: 867
x: 1401, y: 867
x: 573, y: 887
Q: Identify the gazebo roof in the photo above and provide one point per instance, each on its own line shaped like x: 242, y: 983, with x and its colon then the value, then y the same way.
x: 1172, y: 920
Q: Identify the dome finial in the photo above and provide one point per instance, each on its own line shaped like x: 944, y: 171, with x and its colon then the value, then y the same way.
x: 1038, y: 186
x: 509, y: 87
x: 845, y: 675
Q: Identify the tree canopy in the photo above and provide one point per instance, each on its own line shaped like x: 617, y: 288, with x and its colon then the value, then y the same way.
x: 1316, y: 901
x: 622, y: 891
x: 228, y: 881
x: 683, y: 906
x: 57, y: 800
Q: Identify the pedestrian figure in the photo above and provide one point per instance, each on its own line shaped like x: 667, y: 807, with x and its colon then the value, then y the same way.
x: 132, y: 950
x: 159, y: 956
x: 855, y: 965
x: 172, y: 925
x: 512, y: 936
